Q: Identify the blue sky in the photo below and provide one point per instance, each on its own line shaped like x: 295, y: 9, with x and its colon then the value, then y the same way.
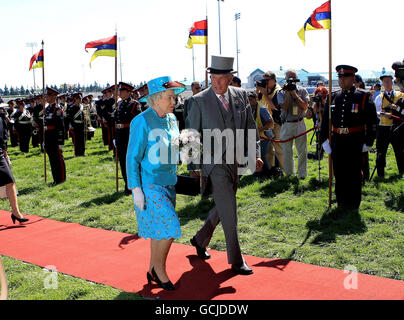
x: 155, y: 34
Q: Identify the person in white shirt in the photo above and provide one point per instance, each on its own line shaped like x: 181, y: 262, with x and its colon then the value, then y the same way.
x: 385, y: 102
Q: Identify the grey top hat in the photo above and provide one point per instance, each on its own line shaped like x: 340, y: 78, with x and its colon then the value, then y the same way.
x: 221, y: 65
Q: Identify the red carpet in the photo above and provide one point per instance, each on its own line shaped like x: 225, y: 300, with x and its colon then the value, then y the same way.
x: 121, y: 260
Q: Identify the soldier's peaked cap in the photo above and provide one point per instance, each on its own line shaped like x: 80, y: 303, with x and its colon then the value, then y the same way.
x: 344, y: 70
x: 125, y: 86
x: 50, y: 91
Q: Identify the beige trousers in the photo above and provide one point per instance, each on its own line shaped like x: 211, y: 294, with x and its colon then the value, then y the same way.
x: 289, y: 130
x: 275, y: 149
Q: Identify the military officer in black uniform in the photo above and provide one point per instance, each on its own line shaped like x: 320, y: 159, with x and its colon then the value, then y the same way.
x: 54, y: 136
x: 37, y: 117
x: 11, y: 115
x: 99, y: 107
x: 127, y: 109
x: 23, y: 125
x: 109, y: 114
x: 354, y: 119
x: 77, y: 122
x: 63, y: 105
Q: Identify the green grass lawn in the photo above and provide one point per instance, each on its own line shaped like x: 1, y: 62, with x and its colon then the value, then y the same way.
x: 285, y: 218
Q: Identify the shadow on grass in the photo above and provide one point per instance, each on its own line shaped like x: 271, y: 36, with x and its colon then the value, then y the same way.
x: 337, y: 221
x: 396, y: 202
x: 28, y: 190
x: 193, y: 211
x: 107, y: 199
x: 391, y: 179
x: 292, y: 183
x: 98, y: 153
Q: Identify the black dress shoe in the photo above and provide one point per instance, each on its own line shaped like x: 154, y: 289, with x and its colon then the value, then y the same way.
x: 164, y: 285
x: 20, y: 220
x: 202, y: 253
x: 242, y: 269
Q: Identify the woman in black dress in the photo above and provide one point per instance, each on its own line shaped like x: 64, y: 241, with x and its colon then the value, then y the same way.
x: 6, y: 176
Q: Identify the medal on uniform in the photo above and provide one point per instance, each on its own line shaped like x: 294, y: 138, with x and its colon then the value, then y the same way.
x: 295, y: 110
x: 355, y: 108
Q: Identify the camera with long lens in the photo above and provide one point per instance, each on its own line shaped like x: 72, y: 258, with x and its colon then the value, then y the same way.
x: 261, y: 83
x: 290, y: 84
x: 317, y: 98
x: 398, y: 67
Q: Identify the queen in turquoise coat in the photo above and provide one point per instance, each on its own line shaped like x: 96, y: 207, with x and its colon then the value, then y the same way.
x: 151, y: 165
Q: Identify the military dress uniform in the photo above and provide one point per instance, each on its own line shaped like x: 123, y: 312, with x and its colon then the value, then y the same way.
x: 100, y: 106
x: 353, y: 118
x: 76, y: 121
x: 123, y: 115
x: 54, y: 138
x: 23, y: 125
x: 63, y: 106
x: 109, y: 114
x: 12, y: 131
x: 37, y: 116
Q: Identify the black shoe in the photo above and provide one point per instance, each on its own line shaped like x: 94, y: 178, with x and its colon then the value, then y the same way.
x: 150, y: 278
x: 20, y: 220
x: 202, y: 253
x: 242, y: 269
x: 164, y: 285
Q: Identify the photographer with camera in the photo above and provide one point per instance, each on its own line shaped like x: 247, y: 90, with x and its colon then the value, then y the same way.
x: 385, y: 103
x: 267, y: 89
x: 293, y: 100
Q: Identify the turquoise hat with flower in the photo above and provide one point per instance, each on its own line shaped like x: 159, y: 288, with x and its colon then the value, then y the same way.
x: 163, y: 84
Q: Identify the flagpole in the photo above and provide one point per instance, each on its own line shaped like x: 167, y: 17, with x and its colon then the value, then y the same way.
x: 43, y: 109
x: 116, y: 106
x: 330, y: 171
x: 193, y: 64
x: 206, y: 52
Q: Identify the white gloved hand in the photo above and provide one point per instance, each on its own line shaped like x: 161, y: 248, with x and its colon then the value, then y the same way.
x: 366, y: 148
x: 138, y: 198
x: 61, y: 146
x: 327, y: 147
x: 113, y: 141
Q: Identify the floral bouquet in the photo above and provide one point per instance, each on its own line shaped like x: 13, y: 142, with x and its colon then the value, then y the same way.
x: 188, y: 142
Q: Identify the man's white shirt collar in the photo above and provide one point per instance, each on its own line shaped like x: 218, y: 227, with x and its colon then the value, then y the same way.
x: 226, y: 95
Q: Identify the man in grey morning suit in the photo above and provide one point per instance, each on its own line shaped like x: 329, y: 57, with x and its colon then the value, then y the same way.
x: 226, y: 109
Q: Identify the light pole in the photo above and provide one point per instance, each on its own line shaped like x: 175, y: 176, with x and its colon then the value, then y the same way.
x: 32, y: 45
x: 120, y: 54
x: 220, y: 33
x: 237, y: 17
